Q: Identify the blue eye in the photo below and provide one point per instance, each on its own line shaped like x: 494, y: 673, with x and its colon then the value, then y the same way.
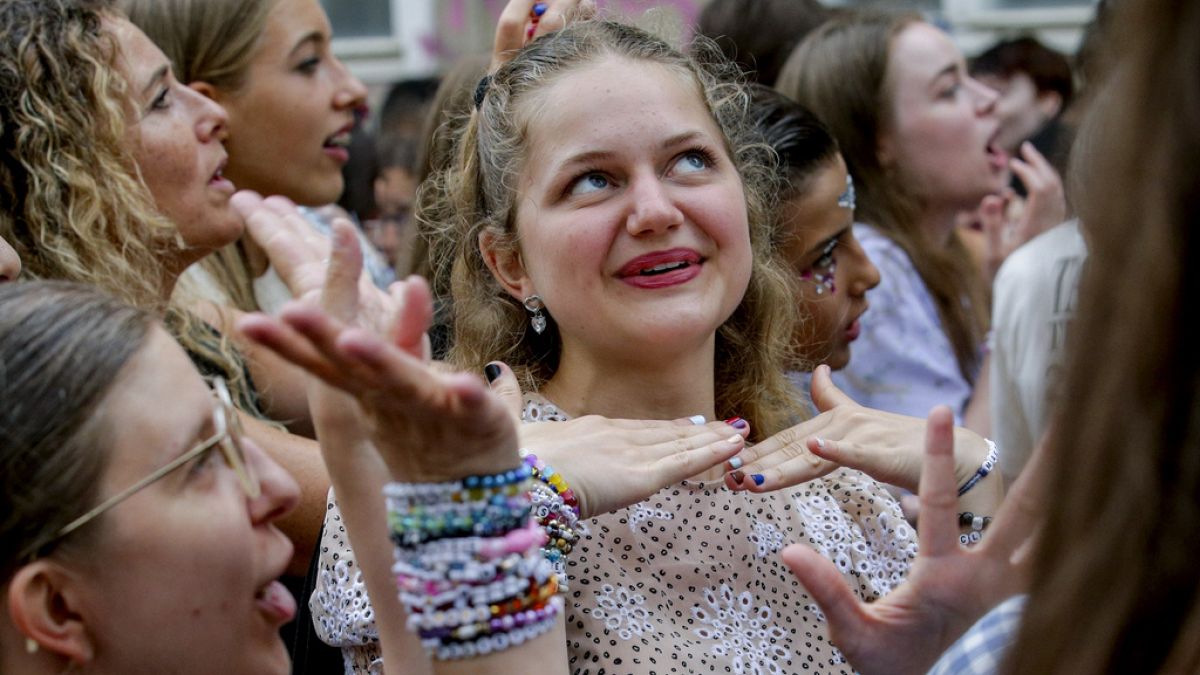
x: 589, y: 183
x: 692, y: 161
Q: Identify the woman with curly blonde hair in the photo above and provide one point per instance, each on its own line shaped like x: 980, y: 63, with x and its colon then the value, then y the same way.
x: 111, y: 172
x: 608, y: 212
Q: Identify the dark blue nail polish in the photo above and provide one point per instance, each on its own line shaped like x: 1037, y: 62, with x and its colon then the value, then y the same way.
x: 758, y: 478
x: 492, y: 371
x: 539, y: 9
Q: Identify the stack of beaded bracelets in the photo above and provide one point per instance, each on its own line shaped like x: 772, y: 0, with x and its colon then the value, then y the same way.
x: 470, y: 567
x: 557, y: 511
x: 989, y: 463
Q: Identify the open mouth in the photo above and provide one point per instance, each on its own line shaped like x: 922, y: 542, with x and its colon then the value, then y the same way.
x: 996, y: 156
x: 276, y: 601
x: 218, y: 177
x: 339, y: 140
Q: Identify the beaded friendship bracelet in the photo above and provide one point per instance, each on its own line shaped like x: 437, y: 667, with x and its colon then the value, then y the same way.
x: 989, y: 463
x: 498, y: 641
x: 557, y: 510
x: 471, y: 488
x: 977, y: 524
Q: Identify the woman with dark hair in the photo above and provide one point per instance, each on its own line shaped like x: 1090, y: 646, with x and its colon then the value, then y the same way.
x: 917, y: 133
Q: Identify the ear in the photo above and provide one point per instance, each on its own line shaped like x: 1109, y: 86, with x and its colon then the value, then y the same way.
x: 207, y: 89
x: 506, y: 265
x: 1049, y: 103
x: 44, y: 606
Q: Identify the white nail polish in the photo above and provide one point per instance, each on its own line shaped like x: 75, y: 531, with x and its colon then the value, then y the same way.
x: 735, y: 463
x: 697, y: 419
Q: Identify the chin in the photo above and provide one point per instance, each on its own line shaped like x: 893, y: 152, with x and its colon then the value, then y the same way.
x: 320, y: 191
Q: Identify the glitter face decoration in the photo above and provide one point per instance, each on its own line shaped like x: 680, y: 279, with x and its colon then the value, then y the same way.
x: 846, y: 200
x: 823, y: 272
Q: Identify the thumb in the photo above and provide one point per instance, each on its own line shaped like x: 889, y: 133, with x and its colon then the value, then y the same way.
x: 504, y: 383
x: 821, y: 578
x: 825, y: 394
x: 339, y: 296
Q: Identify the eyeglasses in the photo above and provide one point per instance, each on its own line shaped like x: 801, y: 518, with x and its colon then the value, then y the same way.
x: 228, y: 438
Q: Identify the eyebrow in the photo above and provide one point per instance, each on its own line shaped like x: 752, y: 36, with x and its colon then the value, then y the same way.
x: 156, y: 77
x: 951, y: 69
x: 316, y: 37
x: 599, y: 155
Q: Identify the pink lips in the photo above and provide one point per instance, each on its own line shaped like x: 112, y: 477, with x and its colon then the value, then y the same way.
x: 661, y: 269
x: 221, y: 182
x: 852, y: 331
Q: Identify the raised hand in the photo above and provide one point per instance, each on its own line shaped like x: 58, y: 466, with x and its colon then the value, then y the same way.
x: 301, y: 255
x: 949, y: 587
x: 426, y: 425
x: 520, y: 22
x: 613, y: 463
x: 885, y: 446
x: 1008, y: 222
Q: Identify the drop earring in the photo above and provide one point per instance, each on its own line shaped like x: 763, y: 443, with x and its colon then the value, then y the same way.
x: 534, y: 305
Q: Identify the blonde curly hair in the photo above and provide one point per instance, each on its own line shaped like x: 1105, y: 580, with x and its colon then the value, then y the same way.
x: 477, y: 194
x: 75, y: 206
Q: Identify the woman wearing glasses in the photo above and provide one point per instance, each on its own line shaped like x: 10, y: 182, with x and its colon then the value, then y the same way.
x: 177, y: 565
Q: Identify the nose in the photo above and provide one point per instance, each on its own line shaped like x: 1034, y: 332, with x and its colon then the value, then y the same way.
x: 652, y: 211
x: 862, y: 273
x: 985, y: 96
x: 280, y: 493
x: 212, y: 122
x: 351, y: 92
x: 10, y: 263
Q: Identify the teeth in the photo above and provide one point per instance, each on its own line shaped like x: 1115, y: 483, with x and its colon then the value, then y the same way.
x: 340, y: 140
x: 663, y: 267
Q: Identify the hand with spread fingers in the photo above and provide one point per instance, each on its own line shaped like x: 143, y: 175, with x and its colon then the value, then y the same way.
x: 885, y: 446
x: 301, y: 255
x: 949, y: 587
x: 613, y: 463
x: 523, y: 21
x: 426, y: 425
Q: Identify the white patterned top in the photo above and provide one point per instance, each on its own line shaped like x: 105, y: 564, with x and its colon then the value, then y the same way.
x: 903, y: 362
x: 689, y: 580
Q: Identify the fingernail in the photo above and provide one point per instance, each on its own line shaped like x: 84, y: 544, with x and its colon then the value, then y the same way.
x: 737, y: 423
x: 492, y: 371
x: 820, y: 443
x: 738, y: 477
x: 758, y: 478
x: 735, y: 463
x: 697, y: 419
x: 539, y: 9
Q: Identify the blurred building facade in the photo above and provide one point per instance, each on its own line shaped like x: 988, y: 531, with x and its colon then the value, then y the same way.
x: 389, y: 40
